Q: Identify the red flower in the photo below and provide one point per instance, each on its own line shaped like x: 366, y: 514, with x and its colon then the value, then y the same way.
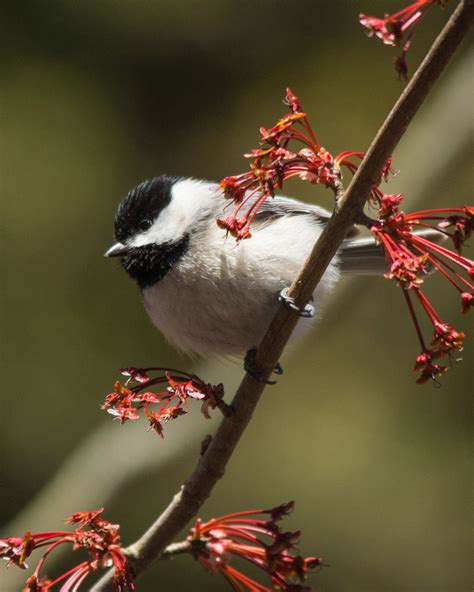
x: 97, y: 536
x: 275, y: 163
x: 410, y: 256
x: 260, y: 542
x: 125, y: 402
x: 397, y: 28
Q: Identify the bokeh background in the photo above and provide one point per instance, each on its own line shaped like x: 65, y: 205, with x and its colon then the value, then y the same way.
x: 97, y: 96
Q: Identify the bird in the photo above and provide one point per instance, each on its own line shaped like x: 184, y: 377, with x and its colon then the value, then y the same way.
x: 208, y: 294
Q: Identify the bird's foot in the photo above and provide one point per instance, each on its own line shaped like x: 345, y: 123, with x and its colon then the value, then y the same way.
x: 307, y: 312
x: 249, y: 366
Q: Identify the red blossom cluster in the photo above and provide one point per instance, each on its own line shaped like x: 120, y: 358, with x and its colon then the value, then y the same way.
x: 397, y: 29
x: 97, y: 536
x: 260, y: 542
x: 127, y: 399
x: 279, y: 159
x: 411, y: 255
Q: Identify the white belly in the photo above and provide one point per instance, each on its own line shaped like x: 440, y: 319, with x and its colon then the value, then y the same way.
x: 221, y: 299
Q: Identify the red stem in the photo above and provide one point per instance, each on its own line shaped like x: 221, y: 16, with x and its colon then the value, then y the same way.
x: 76, y: 568
x: 414, y: 318
x: 458, y: 259
x: 430, y: 311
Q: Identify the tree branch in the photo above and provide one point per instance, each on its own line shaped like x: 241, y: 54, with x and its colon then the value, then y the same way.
x: 211, y: 466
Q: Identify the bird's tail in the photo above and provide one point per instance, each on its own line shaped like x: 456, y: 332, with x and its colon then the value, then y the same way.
x: 363, y: 256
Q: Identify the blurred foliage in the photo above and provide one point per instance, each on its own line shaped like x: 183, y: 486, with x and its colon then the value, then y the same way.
x: 99, y: 95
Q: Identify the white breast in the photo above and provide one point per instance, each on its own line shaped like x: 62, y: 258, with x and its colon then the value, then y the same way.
x: 220, y: 297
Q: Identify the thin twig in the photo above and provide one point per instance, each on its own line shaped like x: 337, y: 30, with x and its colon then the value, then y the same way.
x: 224, y: 408
x: 177, y: 549
x: 211, y: 466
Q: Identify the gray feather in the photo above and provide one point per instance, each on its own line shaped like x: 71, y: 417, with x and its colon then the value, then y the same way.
x: 284, y: 206
x: 362, y: 256
x: 276, y: 207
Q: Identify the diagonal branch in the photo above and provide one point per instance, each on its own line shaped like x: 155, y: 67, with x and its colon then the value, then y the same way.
x: 211, y: 466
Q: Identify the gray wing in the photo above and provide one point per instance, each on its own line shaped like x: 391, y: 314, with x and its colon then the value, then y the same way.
x: 275, y: 207
x: 278, y: 206
x: 360, y: 256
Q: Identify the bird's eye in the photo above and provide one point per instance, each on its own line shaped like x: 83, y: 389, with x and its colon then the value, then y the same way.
x: 145, y: 224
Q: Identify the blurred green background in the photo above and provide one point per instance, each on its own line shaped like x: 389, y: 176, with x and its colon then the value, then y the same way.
x: 97, y: 96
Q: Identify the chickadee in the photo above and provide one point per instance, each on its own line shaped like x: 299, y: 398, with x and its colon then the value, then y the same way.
x: 205, y: 293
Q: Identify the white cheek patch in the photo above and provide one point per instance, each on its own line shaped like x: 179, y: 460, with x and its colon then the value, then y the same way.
x: 191, y: 200
x: 168, y: 227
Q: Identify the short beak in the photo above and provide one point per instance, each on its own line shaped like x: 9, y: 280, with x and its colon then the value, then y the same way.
x: 117, y: 250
